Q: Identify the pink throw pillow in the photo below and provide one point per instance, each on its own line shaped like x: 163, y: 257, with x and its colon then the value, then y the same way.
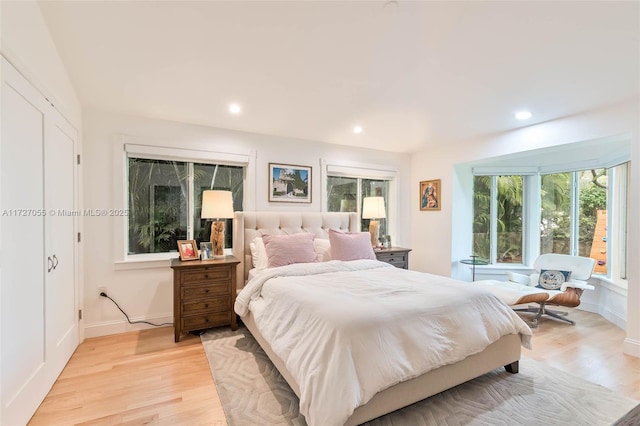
x: 351, y: 246
x: 287, y: 249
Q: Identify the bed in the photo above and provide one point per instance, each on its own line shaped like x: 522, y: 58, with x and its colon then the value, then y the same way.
x: 504, y: 350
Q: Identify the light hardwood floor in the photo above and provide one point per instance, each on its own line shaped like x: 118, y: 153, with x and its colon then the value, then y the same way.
x: 145, y: 378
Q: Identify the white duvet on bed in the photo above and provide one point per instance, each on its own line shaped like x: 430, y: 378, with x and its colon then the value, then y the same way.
x: 348, y: 330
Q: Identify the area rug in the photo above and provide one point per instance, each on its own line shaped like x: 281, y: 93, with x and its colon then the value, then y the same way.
x: 254, y: 393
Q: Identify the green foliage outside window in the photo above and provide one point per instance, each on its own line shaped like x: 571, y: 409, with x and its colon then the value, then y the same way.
x: 159, y: 208
x: 556, y: 213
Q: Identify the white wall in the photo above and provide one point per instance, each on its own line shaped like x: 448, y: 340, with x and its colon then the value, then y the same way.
x: 145, y: 290
x: 438, y: 246
x: 25, y: 41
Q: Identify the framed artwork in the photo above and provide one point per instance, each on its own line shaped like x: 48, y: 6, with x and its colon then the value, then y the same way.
x: 188, y: 250
x: 289, y: 183
x: 206, y: 250
x: 430, y: 195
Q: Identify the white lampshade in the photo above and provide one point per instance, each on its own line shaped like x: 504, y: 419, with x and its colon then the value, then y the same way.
x: 217, y: 205
x: 373, y: 208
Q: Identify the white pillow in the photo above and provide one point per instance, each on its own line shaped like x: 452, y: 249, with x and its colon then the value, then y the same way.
x: 258, y: 253
x: 322, y: 249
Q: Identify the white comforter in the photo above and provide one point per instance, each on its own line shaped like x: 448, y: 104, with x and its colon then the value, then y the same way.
x: 348, y: 330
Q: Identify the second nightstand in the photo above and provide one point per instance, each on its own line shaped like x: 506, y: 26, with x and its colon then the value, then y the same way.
x: 397, y: 256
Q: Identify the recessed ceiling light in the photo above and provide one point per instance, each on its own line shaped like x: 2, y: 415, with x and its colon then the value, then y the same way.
x: 357, y: 130
x: 523, y: 115
x: 235, y: 109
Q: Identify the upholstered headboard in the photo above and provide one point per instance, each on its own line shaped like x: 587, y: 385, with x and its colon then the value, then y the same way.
x: 248, y: 225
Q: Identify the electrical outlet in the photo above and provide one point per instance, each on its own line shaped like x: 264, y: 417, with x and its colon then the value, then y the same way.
x: 102, y: 289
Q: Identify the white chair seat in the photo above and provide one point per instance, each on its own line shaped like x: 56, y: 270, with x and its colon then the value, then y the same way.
x: 511, y: 293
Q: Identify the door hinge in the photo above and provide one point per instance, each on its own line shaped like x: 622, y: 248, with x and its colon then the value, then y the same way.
x: 79, y: 314
x: 79, y: 237
x: 78, y: 158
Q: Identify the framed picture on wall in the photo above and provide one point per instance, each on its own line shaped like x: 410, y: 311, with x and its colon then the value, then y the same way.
x: 430, y: 195
x: 289, y: 183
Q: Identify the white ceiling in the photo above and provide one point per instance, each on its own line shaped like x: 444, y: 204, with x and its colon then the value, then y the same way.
x: 412, y: 74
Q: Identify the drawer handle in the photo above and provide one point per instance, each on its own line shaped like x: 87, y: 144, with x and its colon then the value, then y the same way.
x: 206, y: 291
x: 392, y: 260
x: 206, y: 305
x: 206, y: 275
x: 206, y: 320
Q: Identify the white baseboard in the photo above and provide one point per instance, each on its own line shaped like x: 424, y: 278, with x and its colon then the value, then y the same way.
x: 122, y: 326
x: 615, y: 318
x: 631, y: 347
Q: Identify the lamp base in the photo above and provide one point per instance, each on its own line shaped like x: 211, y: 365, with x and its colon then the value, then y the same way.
x: 374, y: 227
x: 217, y: 239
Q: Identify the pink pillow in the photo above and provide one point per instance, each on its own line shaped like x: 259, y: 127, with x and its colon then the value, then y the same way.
x: 287, y: 249
x: 351, y: 246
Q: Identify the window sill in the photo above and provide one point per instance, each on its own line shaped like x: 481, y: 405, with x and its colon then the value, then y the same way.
x: 145, y: 261
x: 619, y: 286
x: 149, y: 261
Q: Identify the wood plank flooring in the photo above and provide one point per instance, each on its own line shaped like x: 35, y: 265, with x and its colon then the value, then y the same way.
x: 145, y: 378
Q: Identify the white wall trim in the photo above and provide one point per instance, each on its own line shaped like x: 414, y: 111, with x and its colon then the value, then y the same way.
x: 122, y: 326
x: 614, y: 317
x: 631, y: 347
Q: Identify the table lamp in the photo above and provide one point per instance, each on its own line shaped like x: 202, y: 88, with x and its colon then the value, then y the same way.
x: 373, y: 208
x: 217, y: 205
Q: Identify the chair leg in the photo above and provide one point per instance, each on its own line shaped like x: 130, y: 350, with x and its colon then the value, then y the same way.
x: 538, y: 310
x: 560, y: 316
x: 565, y: 313
x: 542, y: 310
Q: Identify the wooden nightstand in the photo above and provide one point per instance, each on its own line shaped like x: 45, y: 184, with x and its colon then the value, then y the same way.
x: 204, y: 292
x: 397, y: 256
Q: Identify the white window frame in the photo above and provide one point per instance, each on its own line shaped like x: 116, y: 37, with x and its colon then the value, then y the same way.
x: 529, y: 179
x: 125, y: 146
x: 363, y: 171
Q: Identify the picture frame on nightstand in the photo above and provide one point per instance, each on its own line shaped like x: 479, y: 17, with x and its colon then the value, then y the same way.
x: 188, y: 250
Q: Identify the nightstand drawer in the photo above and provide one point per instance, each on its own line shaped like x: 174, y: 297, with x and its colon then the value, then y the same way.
x: 398, y: 263
x: 393, y: 258
x: 199, y: 322
x: 204, y: 291
x: 205, y: 275
x: 207, y: 305
x: 396, y: 256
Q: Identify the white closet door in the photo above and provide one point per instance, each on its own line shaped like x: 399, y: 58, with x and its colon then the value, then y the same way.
x: 25, y: 379
x: 60, y: 289
x: 37, y: 269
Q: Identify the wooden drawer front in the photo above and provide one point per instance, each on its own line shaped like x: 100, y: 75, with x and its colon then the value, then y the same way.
x: 396, y: 259
x: 211, y: 305
x: 199, y: 322
x: 206, y: 275
x: 205, y: 291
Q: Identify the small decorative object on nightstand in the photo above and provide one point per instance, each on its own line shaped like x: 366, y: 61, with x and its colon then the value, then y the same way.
x: 397, y: 256
x: 204, y: 292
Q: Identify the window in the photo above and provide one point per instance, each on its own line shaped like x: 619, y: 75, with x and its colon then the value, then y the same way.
x: 498, y: 218
x: 555, y: 219
x: 574, y: 214
x: 345, y: 194
x: 581, y: 213
x: 164, y: 201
